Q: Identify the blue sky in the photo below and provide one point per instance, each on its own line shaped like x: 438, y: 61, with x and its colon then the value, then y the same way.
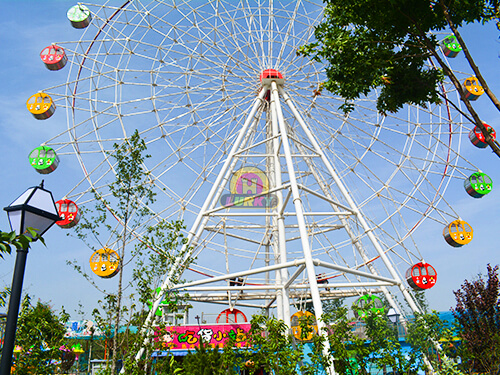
x: 29, y: 26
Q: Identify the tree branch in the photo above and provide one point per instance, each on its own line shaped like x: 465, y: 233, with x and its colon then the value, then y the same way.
x: 458, y: 86
x: 469, y: 58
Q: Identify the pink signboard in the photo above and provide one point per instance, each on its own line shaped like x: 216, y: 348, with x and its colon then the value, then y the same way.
x: 189, y: 337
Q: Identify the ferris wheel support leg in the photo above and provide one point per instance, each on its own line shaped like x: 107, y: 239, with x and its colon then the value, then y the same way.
x: 280, y: 219
x: 196, y: 228
x: 353, y: 206
x: 304, y: 237
x: 347, y: 227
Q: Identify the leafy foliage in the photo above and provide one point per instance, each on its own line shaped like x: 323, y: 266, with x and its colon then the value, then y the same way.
x: 127, y: 204
x: 40, y: 334
x: 274, y: 349
x: 204, y: 361
x: 19, y: 241
x: 357, y: 347
x: 384, y: 44
x: 351, y: 350
x: 478, y: 315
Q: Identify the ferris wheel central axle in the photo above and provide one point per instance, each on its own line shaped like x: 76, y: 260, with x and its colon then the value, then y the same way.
x: 267, y: 77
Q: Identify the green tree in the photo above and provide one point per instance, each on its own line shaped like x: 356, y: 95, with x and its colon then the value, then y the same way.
x: 273, y: 347
x: 40, y: 334
x: 129, y: 196
x: 478, y: 315
x: 158, y: 250
x: 356, y: 347
x: 119, y: 216
x: 386, y: 44
x: 434, y: 339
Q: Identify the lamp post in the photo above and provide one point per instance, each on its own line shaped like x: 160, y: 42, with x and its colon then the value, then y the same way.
x: 35, y: 208
x: 3, y: 321
x: 393, y: 316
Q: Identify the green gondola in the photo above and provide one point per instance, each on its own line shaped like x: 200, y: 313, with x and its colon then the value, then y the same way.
x: 478, y: 184
x: 164, y: 302
x: 372, y: 302
x: 44, y: 159
x: 79, y: 16
x: 451, y: 47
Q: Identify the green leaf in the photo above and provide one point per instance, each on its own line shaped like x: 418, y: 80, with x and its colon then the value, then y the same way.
x: 4, y: 248
x: 33, y: 232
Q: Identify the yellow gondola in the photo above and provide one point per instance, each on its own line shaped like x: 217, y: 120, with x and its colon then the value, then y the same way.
x: 458, y: 233
x: 105, y: 262
x: 41, y: 106
x: 296, y: 326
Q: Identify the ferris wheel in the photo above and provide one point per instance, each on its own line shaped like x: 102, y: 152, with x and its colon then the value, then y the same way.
x: 286, y: 199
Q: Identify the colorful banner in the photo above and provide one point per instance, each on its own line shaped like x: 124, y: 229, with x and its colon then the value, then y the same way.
x: 82, y: 329
x: 189, y: 337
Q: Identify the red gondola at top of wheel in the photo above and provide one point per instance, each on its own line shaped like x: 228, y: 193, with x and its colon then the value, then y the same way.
x: 421, y: 276
x: 54, y: 57
x: 267, y: 77
x: 69, y: 213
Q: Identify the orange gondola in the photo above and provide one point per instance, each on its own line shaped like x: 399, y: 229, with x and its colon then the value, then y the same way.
x: 473, y: 88
x: 41, y: 106
x: 295, y: 324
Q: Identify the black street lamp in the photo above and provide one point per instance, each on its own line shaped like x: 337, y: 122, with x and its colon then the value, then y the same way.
x: 393, y: 316
x: 35, y: 208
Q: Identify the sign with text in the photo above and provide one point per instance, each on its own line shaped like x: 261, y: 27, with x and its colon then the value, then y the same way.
x: 189, y: 337
x: 249, y: 188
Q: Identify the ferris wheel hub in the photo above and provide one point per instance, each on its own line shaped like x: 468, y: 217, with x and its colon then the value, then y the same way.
x: 269, y: 75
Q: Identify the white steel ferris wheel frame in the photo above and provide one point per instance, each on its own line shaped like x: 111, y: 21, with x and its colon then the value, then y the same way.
x: 191, y: 113
x: 280, y: 293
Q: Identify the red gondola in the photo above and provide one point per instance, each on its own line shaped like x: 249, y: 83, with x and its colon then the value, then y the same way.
x: 69, y: 213
x: 54, y: 57
x: 229, y: 316
x: 476, y: 136
x: 421, y: 276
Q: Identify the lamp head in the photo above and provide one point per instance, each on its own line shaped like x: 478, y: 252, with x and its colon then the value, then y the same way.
x: 35, y: 208
x: 393, y: 315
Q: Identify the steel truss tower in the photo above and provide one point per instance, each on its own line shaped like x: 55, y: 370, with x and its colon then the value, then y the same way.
x: 280, y: 220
